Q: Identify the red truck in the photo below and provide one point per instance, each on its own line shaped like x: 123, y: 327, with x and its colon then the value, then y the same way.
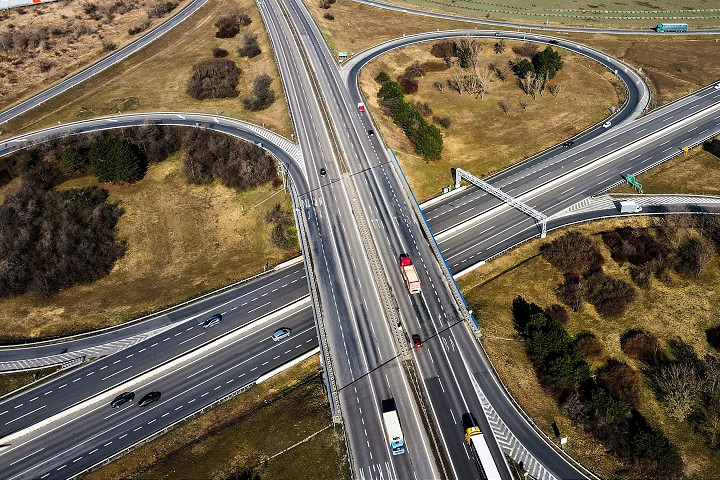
x: 410, y: 274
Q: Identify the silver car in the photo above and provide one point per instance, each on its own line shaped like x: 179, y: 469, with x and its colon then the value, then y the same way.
x: 280, y: 333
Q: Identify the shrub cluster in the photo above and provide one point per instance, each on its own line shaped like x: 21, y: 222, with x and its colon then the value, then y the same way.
x: 284, y: 233
x: 262, y: 95
x: 605, y: 407
x: 250, y: 47
x: 713, y: 146
x: 214, y: 78
x: 712, y: 335
x: 426, y: 137
x: 52, y: 240
x: 580, y: 259
x: 634, y: 245
x: 227, y: 27
x: 236, y: 164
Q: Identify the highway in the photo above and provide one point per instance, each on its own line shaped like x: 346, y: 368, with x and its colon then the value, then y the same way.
x: 360, y: 217
x: 531, y: 26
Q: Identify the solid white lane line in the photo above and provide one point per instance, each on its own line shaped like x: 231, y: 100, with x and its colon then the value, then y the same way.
x: 119, y: 371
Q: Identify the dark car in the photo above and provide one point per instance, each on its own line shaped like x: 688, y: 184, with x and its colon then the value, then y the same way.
x: 212, y: 321
x: 569, y: 143
x: 149, y: 398
x: 370, y: 133
x: 122, y: 398
x: 323, y: 171
x: 554, y: 42
x: 417, y: 341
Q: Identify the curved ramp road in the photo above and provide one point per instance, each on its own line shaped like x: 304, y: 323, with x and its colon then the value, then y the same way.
x: 94, y: 69
x: 532, y: 26
x: 284, y: 150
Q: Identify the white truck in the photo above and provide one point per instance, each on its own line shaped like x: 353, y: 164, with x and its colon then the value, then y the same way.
x: 395, y: 436
x: 478, y: 443
x: 410, y: 274
x: 629, y: 206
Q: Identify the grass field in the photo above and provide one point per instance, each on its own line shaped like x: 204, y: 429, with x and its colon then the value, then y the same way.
x: 696, y: 173
x: 684, y: 310
x: 481, y: 138
x: 244, y: 433
x: 10, y: 382
x: 629, y: 14
x: 672, y: 66
x: 182, y: 240
x: 154, y: 79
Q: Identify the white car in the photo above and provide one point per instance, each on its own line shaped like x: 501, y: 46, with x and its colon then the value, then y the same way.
x: 607, y: 125
x: 717, y: 86
x: 281, y: 333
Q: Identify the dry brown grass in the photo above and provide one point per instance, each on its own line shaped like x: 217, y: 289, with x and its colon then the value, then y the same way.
x: 698, y: 172
x: 684, y: 310
x: 182, y: 240
x: 638, y: 14
x: 481, y: 138
x: 357, y: 26
x: 238, y: 434
x: 673, y: 66
x: 154, y: 79
x: 22, y: 78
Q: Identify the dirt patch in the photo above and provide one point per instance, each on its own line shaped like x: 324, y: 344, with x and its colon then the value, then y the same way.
x: 481, y: 137
x: 155, y: 78
x: 182, y: 240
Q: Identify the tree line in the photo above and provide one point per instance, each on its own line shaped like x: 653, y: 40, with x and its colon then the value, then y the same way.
x: 604, y: 404
x: 425, y: 137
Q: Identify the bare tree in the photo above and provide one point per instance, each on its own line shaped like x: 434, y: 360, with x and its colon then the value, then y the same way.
x: 439, y: 85
x: 679, y: 384
x: 523, y: 104
x: 555, y: 89
x: 504, y: 106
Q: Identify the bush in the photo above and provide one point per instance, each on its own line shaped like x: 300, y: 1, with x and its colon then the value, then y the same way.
x: 527, y: 49
x: 692, y: 257
x: 72, y: 161
x: 589, y: 345
x: 114, y: 160
x: 227, y: 27
x: 642, y: 346
x: 284, y: 235
x: 634, y: 245
x: 108, y: 46
x: 409, y: 85
x: 570, y: 292
x: 610, y: 296
x: 712, y: 146
x: 329, y: 16
x: 655, y: 446
x: 160, y: 8
x: 140, y: 27
x: 216, y: 78
x: 622, y: 381
x: 250, y: 47
x: 382, y: 77
x: 444, y: 122
x: 573, y: 253
x: 236, y: 164
x: 263, y: 96
x: 442, y: 49
x: 558, y: 313
x: 712, y: 335
x: 218, y: 52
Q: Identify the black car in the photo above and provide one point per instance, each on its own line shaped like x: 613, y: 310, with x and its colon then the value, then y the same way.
x: 569, y: 143
x: 149, y: 398
x: 370, y: 133
x: 554, y: 42
x: 212, y: 321
x: 122, y: 398
x: 323, y: 171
